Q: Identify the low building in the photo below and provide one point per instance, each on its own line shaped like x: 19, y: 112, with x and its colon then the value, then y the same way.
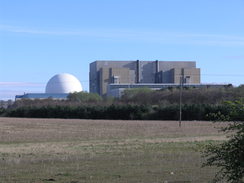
x: 34, y: 96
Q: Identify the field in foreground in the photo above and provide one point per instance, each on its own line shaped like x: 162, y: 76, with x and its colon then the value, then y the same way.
x: 76, y: 151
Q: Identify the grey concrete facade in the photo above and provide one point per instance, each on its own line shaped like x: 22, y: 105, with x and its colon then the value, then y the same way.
x: 103, y: 73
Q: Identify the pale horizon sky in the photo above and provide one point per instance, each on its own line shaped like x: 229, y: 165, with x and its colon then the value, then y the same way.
x: 41, y: 38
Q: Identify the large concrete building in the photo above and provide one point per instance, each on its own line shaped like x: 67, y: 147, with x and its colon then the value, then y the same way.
x: 108, y: 75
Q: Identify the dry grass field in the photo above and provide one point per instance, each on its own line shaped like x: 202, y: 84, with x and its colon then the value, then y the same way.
x: 76, y: 151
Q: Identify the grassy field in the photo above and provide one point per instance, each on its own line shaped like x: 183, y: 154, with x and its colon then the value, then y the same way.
x: 76, y: 151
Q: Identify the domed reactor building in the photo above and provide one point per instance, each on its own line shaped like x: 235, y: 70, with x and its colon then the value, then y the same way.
x: 58, y: 88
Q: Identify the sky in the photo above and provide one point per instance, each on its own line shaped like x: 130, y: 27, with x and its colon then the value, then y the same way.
x: 41, y: 38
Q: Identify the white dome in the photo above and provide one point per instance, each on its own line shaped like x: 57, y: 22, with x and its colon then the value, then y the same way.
x: 63, y: 83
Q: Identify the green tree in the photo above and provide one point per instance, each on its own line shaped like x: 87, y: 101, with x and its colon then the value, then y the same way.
x: 228, y: 156
x: 137, y: 95
x: 84, y: 97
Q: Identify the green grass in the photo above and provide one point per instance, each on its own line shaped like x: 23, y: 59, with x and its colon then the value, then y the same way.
x: 143, y: 162
x: 97, y: 151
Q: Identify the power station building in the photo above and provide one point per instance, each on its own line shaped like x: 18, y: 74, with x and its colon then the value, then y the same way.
x: 57, y: 88
x: 112, y: 77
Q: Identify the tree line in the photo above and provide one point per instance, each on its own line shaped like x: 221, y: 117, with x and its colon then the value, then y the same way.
x: 120, y: 111
x: 139, y: 104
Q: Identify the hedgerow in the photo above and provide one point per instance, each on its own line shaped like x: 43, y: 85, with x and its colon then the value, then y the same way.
x: 124, y: 112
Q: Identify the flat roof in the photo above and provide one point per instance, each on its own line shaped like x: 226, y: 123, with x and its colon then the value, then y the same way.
x: 42, y: 95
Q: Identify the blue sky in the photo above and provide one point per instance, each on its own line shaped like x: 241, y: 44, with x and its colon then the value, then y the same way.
x: 40, y: 38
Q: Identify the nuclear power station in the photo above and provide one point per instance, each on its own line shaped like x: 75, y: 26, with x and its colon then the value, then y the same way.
x: 58, y: 87
x: 112, y: 77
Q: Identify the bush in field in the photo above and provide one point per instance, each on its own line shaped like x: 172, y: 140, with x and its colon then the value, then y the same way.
x: 137, y: 95
x: 119, y: 111
x: 2, y: 111
x: 229, y: 155
x: 128, y: 112
x: 189, y: 112
x: 170, y: 112
x: 201, y: 96
x: 84, y: 97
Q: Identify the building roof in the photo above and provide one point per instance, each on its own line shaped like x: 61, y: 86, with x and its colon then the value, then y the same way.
x: 63, y: 83
x: 42, y: 96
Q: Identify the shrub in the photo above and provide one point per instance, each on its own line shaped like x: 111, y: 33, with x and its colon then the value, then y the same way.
x: 229, y: 155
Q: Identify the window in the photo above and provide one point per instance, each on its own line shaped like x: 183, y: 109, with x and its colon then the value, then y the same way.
x: 187, y: 79
x: 116, y: 79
